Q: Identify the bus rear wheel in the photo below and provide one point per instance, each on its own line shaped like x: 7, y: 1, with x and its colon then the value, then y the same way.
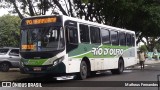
x: 83, y: 71
x: 120, y: 68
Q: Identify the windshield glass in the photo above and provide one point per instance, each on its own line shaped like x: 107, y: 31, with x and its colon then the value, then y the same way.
x: 42, y: 39
x: 3, y: 51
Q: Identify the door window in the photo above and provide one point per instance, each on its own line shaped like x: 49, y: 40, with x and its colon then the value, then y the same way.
x: 14, y: 52
x: 72, y: 35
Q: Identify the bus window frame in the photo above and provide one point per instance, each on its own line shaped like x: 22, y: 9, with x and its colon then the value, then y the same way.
x: 109, y: 36
x: 117, y: 39
x: 133, y: 42
x: 130, y: 44
x: 121, y: 32
x: 88, y: 33
x: 99, y: 35
x: 67, y: 37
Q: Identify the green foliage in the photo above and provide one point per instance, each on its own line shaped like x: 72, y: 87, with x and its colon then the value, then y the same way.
x: 9, y: 31
x: 157, y: 47
x: 143, y: 48
x: 141, y: 16
x: 85, y: 1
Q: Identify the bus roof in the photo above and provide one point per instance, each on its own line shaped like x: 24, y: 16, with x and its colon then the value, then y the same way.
x: 96, y: 24
x: 65, y: 18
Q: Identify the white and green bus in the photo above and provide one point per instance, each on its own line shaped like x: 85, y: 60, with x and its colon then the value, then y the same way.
x: 62, y: 45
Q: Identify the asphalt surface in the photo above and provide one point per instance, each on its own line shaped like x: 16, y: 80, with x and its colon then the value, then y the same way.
x: 130, y: 75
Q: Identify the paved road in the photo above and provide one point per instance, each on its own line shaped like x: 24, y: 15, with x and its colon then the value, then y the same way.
x: 130, y: 74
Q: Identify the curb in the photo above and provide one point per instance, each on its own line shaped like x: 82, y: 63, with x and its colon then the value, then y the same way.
x: 152, y: 61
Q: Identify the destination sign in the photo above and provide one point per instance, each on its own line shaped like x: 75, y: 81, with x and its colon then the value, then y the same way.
x: 40, y: 21
x: 28, y: 46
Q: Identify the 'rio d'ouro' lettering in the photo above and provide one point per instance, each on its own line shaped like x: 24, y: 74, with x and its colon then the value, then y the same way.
x: 107, y: 51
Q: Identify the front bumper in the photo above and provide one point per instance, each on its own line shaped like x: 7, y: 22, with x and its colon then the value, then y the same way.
x: 45, y: 69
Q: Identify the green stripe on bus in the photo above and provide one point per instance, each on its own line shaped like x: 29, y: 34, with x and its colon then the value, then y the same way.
x: 36, y: 62
x: 82, y: 48
x: 80, y: 51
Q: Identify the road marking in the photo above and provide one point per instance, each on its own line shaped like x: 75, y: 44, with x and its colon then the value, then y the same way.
x: 145, y: 65
x: 64, y: 77
x: 127, y: 71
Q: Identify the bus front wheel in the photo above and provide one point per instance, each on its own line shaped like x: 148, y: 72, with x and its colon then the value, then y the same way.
x: 83, y: 71
x: 120, y: 68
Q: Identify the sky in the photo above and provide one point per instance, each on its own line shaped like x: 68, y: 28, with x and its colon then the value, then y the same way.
x: 3, y: 12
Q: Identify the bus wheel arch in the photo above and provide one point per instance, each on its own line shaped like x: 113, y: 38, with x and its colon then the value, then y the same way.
x: 86, y: 59
x: 120, y: 68
x: 85, y: 64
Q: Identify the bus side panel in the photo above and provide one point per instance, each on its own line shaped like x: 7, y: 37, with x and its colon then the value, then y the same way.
x: 129, y: 57
x: 65, y: 61
x: 74, y: 65
x: 110, y: 63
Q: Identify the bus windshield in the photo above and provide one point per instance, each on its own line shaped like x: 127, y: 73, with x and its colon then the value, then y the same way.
x: 42, y: 39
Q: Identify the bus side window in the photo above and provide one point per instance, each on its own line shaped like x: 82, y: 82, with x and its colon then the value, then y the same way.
x: 114, y: 38
x: 72, y: 35
x: 105, y: 36
x: 95, y: 35
x: 84, y: 33
x: 122, y: 38
x: 133, y: 40
x: 128, y: 40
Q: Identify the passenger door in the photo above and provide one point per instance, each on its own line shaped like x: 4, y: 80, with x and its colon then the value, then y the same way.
x: 71, y: 38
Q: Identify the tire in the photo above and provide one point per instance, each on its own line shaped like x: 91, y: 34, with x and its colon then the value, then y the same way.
x: 4, y: 67
x: 83, y: 71
x: 120, y: 68
x: 93, y: 73
x: 22, y: 71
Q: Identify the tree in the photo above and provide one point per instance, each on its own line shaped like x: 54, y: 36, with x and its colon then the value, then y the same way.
x: 38, y: 7
x: 143, y: 48
x: 9, y: 31
x: 141, y: 16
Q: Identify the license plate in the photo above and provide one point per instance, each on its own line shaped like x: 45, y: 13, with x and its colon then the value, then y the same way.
x: 37, y: 68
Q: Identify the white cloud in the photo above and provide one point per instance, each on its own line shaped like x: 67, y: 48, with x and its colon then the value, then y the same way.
x: 3, y: 11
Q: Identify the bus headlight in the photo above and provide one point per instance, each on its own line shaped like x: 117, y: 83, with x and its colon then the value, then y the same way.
x: 57, y: 61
